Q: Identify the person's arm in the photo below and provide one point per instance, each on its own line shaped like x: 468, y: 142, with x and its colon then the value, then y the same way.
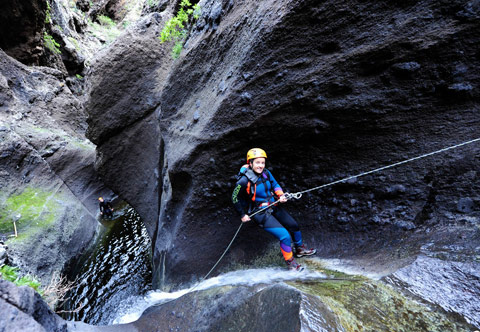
x: 238, y: 198
x: 276, y: 187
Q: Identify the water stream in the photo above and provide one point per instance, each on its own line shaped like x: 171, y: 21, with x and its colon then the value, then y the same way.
x: 117, y: 268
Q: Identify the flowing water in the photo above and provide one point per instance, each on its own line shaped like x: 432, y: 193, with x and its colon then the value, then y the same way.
x: 114, y: 287
x: 249, y: 277
x: 117, y: 268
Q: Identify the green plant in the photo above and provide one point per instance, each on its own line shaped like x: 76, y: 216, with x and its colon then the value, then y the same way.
x: 48, y: 17
x: 54, y: 293
x: 176, y: 28
x: 80, y: 77
x: 105, y: 20
x: 51, y: 44
x: 10, y: 273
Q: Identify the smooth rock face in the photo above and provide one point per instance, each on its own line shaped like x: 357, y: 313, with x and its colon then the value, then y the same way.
x: 329, y: 90
x: 123, y: 96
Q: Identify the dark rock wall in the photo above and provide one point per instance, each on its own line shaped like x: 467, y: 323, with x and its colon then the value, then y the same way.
x: 21, y: 23
x: 124, y: 92
x: 328, y: 90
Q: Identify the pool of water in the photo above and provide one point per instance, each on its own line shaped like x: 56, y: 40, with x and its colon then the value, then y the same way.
x: 116, y: 269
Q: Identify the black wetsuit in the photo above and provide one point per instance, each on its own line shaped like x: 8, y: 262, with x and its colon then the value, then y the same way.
x: 106, y: 209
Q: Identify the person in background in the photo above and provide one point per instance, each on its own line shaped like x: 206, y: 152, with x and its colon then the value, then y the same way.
x: 106, y: 209
x: 256, y: 188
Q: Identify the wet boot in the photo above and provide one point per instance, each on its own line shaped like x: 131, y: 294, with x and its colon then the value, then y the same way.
x: 293, y: 265
x: 301, y: 251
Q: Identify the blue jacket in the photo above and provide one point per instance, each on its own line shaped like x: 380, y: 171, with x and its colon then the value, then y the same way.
x: 253, y: 190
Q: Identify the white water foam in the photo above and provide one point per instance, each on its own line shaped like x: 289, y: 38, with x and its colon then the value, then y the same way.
x: 136, y: 306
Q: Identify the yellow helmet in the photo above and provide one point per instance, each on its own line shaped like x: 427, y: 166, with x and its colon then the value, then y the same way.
x: 100, y: 198
x: 255, y: 153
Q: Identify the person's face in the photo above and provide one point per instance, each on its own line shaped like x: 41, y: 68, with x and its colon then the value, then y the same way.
x: 100, y: 199
x: 258, y: 164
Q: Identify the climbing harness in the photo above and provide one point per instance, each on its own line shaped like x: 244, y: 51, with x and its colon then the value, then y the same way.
x: 299, y: 194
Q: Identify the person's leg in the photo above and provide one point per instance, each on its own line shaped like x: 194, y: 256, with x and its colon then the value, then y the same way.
x: 289, y: 223
x: 287, y: 220
x: 272, y: 226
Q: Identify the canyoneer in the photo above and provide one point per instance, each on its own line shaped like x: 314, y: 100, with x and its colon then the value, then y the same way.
x: 106, y: 209
x: 256, y: 188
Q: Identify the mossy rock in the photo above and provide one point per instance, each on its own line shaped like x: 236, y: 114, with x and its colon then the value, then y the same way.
x: 32, y: 209
x: 368, y: 305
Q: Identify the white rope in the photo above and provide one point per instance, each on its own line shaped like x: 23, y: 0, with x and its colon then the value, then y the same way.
x: 299, y: 194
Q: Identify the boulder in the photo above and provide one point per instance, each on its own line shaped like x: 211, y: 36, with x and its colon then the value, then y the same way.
x: 459, y: 282
x: 24, y: 310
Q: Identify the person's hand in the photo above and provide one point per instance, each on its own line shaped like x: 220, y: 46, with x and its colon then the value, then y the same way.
x: 245, y: 218
x: 283, y: 198
x: 101, y: 213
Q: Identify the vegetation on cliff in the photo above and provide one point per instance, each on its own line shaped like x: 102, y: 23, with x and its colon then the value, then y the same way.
x: 177, y: 27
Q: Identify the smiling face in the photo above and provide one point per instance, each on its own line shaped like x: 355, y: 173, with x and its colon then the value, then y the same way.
x: 257, y: 165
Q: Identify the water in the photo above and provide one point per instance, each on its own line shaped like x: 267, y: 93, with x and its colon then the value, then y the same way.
x: 268, y: 276
x: 118, y: 268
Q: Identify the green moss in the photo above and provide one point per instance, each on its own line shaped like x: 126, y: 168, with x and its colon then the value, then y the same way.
x: 84, y: 145
x: 75, y: 43
x: 33, y: 208
x: 368, y: 305
x: 106, y: 32
x: 106, y: 21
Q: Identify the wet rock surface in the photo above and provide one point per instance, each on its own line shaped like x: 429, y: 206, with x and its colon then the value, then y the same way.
x: 458, y: 282
x: 256, y: 308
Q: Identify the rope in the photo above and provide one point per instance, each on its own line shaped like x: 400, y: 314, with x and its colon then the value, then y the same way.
x: 299, y: 194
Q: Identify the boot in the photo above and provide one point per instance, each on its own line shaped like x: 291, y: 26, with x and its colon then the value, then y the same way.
x: 301, y: 251
x: 293, y: 265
